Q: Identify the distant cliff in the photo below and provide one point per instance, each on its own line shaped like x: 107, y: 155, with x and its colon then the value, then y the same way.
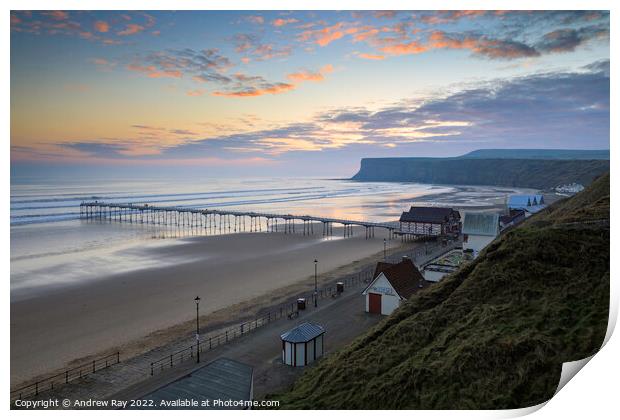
x: 500, y: 171
x: 538, y: 154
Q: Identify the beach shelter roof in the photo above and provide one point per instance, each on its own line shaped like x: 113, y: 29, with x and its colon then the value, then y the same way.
x: 485, y: 224
x: 303, y: 333
x: 223, y: 379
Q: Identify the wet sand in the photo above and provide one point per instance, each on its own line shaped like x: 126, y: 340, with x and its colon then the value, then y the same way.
x: 127, y: 310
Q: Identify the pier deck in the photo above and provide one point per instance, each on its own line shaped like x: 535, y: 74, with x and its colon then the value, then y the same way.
x: 220, y: 219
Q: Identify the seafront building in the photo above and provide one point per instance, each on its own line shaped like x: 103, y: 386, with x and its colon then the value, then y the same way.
x: 529, y: 203
x: 391, y: 285
x: 479, y: 230
x: 430, y: 221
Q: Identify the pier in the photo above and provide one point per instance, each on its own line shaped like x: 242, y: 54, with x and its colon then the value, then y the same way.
x: 225, y: 221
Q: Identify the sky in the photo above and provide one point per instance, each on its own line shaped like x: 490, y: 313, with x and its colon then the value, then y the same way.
x: 300, y: 93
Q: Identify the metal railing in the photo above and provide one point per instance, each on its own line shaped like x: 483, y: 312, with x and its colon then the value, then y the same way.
x: 65, y: 377
x: 419, y: 255
x: 276, y: 313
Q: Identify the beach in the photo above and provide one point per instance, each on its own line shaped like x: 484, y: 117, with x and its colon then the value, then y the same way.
x: 77, y: 321
x: 82, y: 289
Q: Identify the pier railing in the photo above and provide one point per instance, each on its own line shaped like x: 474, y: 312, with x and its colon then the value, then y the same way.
x: 219, y: 221
x: 273, y: 314
x: 79, y: 372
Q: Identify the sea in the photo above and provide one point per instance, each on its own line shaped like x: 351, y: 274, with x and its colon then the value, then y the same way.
x: 51, y: 246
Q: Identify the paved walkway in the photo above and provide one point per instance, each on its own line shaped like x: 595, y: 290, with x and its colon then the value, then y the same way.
x: 344, y: 318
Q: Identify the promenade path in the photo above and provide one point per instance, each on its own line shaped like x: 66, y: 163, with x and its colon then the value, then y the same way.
x: 343, y: 317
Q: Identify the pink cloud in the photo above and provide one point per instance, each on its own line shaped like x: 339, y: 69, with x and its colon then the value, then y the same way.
x: 273, y: 89
x: 412, y: 47
x: 371, y: 56
x: 281, y: 22
x: 102, y: 26
x: 131, y: 29
x: 309, y: 76
x: 328, y: 34
x: 388, y: 14
x: 155, y: 73
x: 58, y: 14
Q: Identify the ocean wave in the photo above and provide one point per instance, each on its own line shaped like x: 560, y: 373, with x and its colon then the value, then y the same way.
x: 88, y: 197
x: 30, y: 218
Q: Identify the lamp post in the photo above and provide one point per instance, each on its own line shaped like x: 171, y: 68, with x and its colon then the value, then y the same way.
x: 384, y: 250
x: 197, y: 300
x: 316, y: 290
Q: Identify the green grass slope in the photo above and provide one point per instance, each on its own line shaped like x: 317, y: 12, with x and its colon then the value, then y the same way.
x: 493, y: 335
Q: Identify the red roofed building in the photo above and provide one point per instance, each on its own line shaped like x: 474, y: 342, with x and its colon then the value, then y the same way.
x: 392, y: 284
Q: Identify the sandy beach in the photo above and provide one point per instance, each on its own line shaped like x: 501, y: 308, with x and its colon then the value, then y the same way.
x: 138, y: 295
x: 80, y: 320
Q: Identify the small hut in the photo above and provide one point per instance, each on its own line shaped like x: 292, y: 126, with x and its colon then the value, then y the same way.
x: 302, y: 345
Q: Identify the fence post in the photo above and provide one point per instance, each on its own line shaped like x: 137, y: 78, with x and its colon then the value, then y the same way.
x: 171, y: 360
x: 151, y: 368
x: 118, y: 357
x: 93, y: 366
x: 227, y: 336
x: 36, y: 388
x: 66, y: 376
x: 209, y: 343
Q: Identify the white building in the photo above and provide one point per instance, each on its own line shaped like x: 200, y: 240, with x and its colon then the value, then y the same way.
x: 479, y: 230
x: 303, y: 344
x: 391, y: 285
x: 529, y: 203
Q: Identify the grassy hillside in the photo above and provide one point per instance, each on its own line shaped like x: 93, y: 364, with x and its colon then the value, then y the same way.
x: 530, y: 173
x: 494, y: 334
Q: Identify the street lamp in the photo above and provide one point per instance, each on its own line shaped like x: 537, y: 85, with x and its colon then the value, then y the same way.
x: 384, y: 249
x: 197, y: 300
x: 316, y: 290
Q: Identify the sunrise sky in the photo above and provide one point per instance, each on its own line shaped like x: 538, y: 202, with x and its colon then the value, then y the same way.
x: 301, y: 92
